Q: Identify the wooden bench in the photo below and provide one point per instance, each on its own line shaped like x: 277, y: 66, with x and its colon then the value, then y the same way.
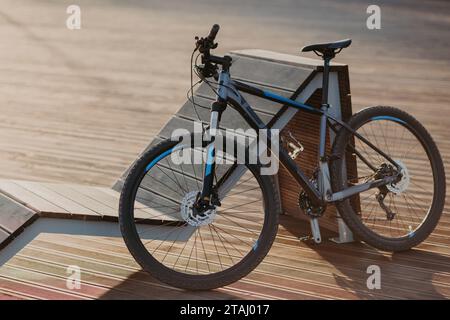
x: 290, y: 76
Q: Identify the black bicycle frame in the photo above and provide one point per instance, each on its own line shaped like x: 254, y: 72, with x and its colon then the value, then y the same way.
x: 229, y: 93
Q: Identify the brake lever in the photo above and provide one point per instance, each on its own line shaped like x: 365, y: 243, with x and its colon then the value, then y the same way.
x: 204, y: 45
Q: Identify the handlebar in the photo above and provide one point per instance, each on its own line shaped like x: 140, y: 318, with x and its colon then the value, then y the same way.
x: 210, y: 62
x: 205, y: 44
x: 212, y: 34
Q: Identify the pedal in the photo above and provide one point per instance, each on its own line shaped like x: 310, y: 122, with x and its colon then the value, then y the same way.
x: 294, y: 150
x: 315, y: 230
x: 294, y: 147
x: 308, y: 239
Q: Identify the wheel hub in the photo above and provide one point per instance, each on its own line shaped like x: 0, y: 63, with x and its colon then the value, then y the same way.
x: 192, y: 216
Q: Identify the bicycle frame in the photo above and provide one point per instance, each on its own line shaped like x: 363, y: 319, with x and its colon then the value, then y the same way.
x: 229, y: 93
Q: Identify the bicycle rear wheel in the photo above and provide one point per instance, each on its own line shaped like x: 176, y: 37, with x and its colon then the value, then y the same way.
x: 410, y: 208
x: 181, y: 248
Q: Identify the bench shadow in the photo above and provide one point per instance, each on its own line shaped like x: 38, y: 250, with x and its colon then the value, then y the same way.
x: 404, y: 275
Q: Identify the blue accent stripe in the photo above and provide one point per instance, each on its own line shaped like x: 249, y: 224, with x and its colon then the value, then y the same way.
x: 209, y: 161
x: 288, y: 101
x: 162, y: 155
x: 388, y: 118
x: 255, y: 246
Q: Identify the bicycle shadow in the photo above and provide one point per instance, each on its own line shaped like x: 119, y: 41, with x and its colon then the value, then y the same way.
x: 415, y: 274
x: 142, y: 286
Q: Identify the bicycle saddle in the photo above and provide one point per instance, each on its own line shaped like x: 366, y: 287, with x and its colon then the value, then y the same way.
x: 328, y: 46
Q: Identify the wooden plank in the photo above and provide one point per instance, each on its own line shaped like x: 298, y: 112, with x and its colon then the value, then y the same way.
x: 269, y: 73
x: 289, y: 59
x: 107, y: 200
x: 13, y: 218
x: 102, y: 194
x: 230, y: 118
x: 13, y: 215
x: 89, y: 202
x: 35, y: 291
x: 52, y: 196
x: 41, y: 283
x: 3, y: 236
x: 27, y: 198
x: 94, y: 202
x: 9, y: 295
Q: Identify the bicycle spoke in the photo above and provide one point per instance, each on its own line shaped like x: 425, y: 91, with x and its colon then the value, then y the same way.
x: 207, y: 248
x: 409, y: 207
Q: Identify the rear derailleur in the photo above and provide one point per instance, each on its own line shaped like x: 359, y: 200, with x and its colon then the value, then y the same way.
x: 384, y: 171
x: 380, y: 198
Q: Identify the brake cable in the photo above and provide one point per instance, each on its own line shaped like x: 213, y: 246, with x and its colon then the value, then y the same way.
x: 191, y: 90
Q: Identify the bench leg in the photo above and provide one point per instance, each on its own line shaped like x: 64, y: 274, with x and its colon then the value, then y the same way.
x: 345, y: 235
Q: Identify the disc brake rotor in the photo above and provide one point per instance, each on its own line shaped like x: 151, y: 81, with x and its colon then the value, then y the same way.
x: 400, y: 186
x: 189, y: 214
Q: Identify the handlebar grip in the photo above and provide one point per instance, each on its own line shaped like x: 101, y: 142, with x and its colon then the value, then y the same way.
x: 212, y: 34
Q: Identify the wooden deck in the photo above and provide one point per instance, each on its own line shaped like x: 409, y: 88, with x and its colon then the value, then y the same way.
x: 293, y: 269
x: 79, y: 106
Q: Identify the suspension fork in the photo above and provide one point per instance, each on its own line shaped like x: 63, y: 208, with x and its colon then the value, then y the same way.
x: 217, y: 108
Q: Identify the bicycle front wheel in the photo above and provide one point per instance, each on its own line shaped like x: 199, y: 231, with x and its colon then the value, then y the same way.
x: 188, y: 250
x: 402, y: 214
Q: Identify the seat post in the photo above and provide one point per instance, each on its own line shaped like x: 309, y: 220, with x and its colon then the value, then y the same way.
x: 327, y: 56
x: 325, y: 78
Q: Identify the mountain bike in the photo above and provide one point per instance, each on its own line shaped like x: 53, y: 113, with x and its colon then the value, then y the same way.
x: 205, y: 225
